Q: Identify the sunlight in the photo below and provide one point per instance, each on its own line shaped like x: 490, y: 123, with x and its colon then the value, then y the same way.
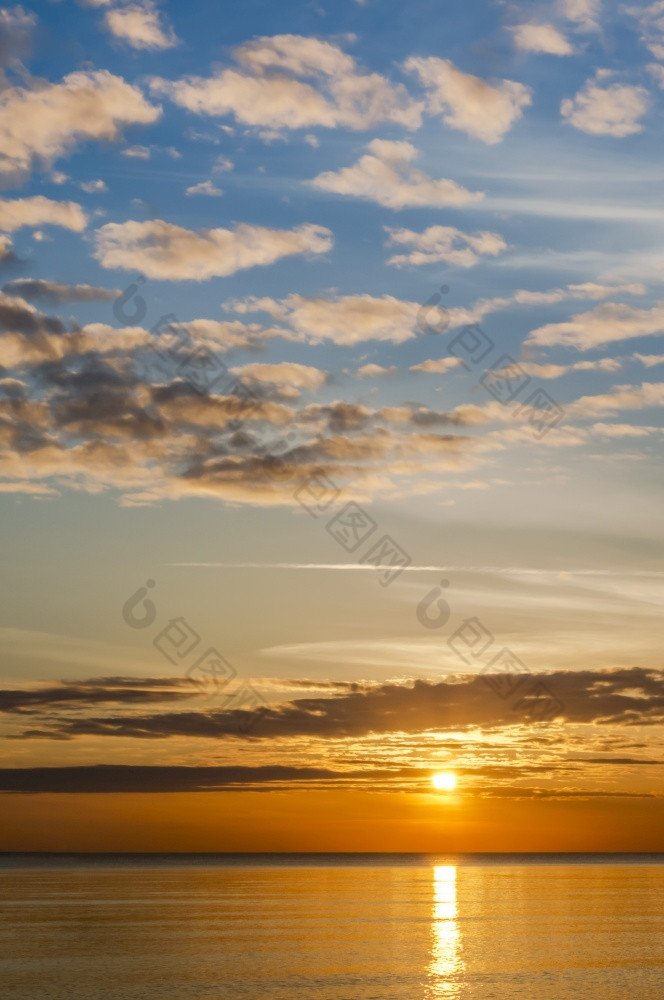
x: 444, y: 782
x: 446, y: 963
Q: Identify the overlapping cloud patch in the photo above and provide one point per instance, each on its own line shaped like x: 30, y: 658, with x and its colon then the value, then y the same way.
x: 44, y: 121
x: 86, y: 408
x: 291, y: 82
x: 446, y: 244
x: 341, y: 319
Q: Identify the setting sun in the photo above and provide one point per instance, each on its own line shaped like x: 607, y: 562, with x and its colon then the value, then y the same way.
x: 444, y: 782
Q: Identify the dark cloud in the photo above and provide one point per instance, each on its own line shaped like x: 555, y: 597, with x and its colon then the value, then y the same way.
x: 621, y: 697
x: 16, y: 316
x: 132, y: 778
x: 54, y: 293
x: 16, y: 28
x: 125, y: 690
x: 149, y: 778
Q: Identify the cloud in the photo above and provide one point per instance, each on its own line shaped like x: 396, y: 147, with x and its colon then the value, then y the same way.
x: 40, y: 211
x: 545, y: 38
x: 137, y: 152
x: 54, y: 293
x: 46, y: 121
x: 386, y: 175
x: 286, y: 374
x: 583, y: 13
x: 342, y: 319
x: 651, y: 22
x: 443, y: 244
x: 467, y: 102
x: 650, y: 360
x: 30, y: 337
x: 589, y: 290
x: 204, y: 187
x: 106, y: 690
x: 140, y: 26
x: 604, y: 324
x: 222, y: 165
x: 438, y: 366
x: 291, y: 81
x: 102, y: 413
x: 161, y: 250
x: 93, y: 187
x: 611, y: 110
x: 16, y: 28
x: 146, y: 778
x: 620, y: 398
x: 376, y: 371
x: 550, y: 371
x: 618, y: 697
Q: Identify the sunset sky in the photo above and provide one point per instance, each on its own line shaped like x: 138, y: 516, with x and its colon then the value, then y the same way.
x: 331, y: 425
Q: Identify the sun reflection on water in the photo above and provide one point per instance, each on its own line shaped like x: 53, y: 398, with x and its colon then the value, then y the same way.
x: 446, y: 963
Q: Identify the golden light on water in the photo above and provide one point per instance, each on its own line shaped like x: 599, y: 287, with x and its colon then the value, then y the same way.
x: 445, y: 781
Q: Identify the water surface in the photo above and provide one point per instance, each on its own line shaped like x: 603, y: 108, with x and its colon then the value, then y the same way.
x: 357, y: 927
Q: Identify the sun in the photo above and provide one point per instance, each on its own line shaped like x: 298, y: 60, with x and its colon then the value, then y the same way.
x: 445, y: 782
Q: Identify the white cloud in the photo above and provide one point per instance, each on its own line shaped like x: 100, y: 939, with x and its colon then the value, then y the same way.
x: 657, y: 72
x: 345, y: 319
x: 589, y: 290
x: 204, y: 187
x: 621, y: 397
x: 467, y: 102
x: 583, y: 13
x: 550, y: 371
x: 40, y: 211
x: 137, y: 152
x: 222, y: 164
x: 376, y: 371
x: 651, y: 22
x: 291, y: 81
x: 649, y: 360
x: 437, y: 366
x: 172, y: 253
x: 611, y: 110
x: 443, y: 243
x: 140, y: 26
x: 93, y: 187
x: 386, y: 175
x: 545, y: 38
x: 43, y: 123
x: 621, y: 430
x: 605, y: 324
x: 286, y: 374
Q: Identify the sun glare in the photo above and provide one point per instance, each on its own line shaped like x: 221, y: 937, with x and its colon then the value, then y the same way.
x: 444, y: 782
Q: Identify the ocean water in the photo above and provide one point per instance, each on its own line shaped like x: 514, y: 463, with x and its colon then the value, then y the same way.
x: 332, y: 928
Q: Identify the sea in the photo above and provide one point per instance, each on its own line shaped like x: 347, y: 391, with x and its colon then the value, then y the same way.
x: 332, y: 927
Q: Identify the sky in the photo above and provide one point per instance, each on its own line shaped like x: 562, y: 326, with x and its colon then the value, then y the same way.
x: 331, y: 425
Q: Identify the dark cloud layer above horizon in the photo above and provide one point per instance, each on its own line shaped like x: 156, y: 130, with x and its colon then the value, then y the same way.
x: 616, y: 697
